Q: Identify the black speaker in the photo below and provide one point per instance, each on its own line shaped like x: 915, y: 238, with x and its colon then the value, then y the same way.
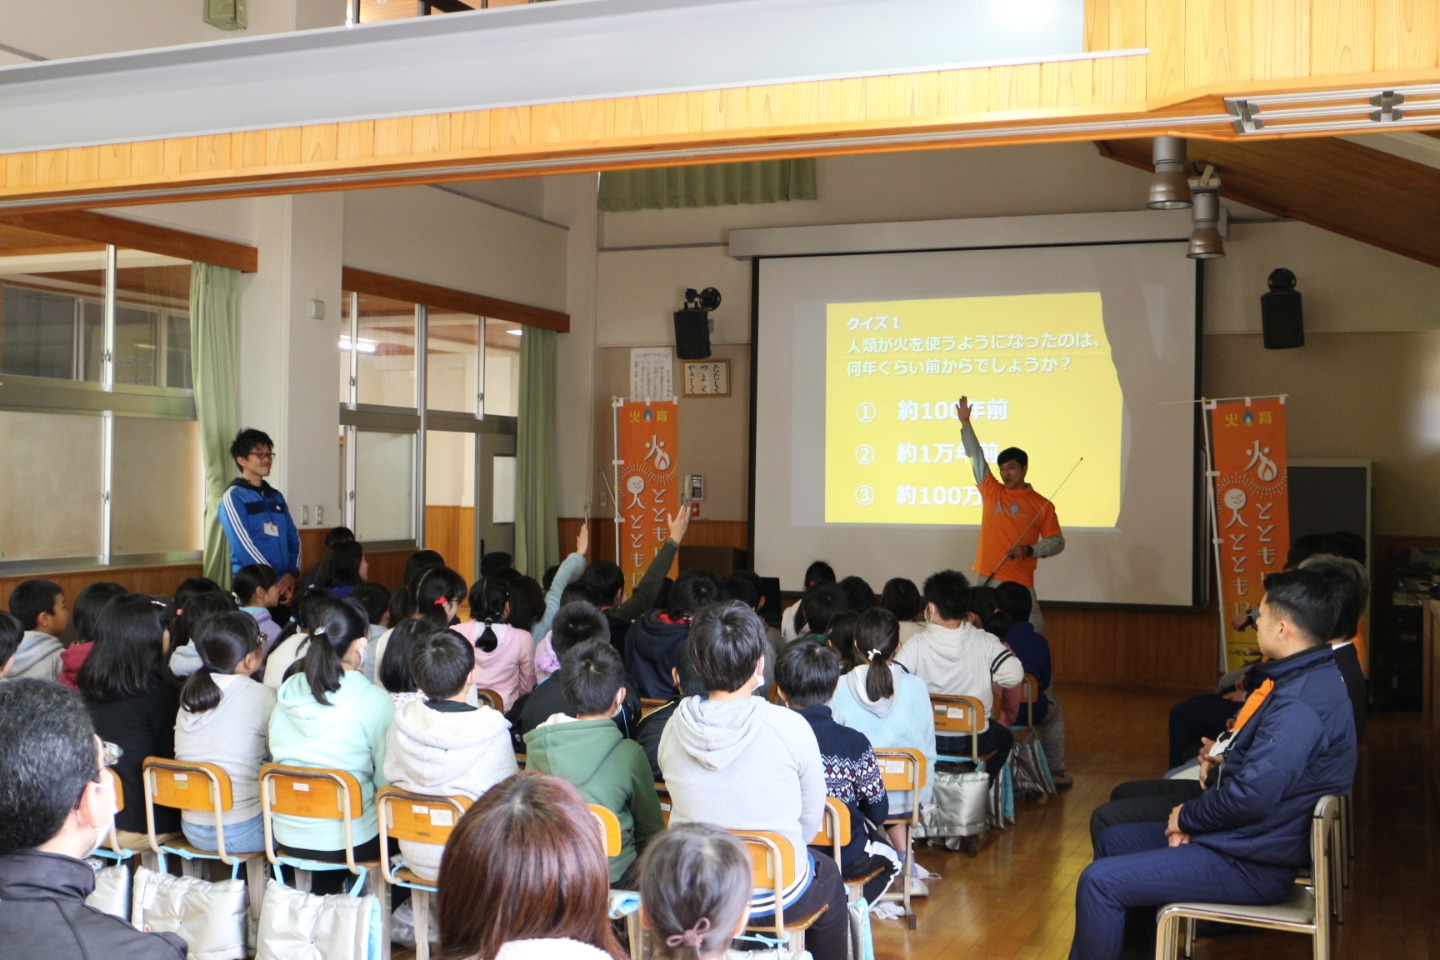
x: 1283, y: 319
x: 692, y: 334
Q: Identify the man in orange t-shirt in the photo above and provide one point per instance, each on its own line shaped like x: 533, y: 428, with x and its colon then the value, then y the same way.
x: 1018, y: 525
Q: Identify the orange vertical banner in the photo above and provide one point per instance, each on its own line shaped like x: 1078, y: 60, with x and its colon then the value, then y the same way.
x: 647, y: 446
x: 1252, y: 509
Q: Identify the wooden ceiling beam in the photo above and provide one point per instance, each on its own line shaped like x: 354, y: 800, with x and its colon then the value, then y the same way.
x: 99, y: 228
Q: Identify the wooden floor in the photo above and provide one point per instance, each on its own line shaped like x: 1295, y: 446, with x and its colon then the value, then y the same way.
x: 1017, y: 899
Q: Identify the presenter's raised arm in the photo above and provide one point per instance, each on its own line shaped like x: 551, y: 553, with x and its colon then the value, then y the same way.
x: 971, y: 443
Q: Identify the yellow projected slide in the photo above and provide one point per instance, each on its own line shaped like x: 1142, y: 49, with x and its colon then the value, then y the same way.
x: 1038, y: 369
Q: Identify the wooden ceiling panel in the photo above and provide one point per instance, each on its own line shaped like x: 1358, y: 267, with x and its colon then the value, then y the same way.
x: 1357, y: 192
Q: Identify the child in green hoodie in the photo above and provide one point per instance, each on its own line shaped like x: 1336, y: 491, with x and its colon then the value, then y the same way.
x: 589, y: 751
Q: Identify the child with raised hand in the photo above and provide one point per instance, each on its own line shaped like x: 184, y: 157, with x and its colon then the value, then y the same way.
x: 504, y: 655
x: 694, y: 892
x: 257, y: 589
x: 442, y: 745
x: 889, y: 706
x: 224, y: 719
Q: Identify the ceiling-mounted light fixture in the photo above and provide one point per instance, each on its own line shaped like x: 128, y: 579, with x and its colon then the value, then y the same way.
x: 1169, y: 190
x: 1206, y: 242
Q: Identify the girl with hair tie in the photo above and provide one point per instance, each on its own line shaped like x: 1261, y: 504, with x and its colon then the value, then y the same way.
x: 504, y: 655
x: 694, y: 891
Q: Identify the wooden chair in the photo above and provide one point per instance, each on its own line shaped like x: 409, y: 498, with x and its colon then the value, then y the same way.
x: 958, y: 715
x: 199, y: 788
x: 490, y: 698
x: 1306, y: 910
x: 903, y: 769
x: 416, y: 818
x: 111, y: 849
x: 319, y: 793
x: 835, y: 833
x: 623, y: 905
x: 773, y: 869
x: 648, y: 706
x: 663, y: 793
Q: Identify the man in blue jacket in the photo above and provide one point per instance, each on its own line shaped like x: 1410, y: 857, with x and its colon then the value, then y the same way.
x: 254, y: 515
x: 1243, y: 840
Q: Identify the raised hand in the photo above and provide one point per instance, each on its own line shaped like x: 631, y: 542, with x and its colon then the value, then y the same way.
x: 963, y: 408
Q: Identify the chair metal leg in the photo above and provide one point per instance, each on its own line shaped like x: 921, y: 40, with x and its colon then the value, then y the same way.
x: 381, y: 889
x: 636, y: 935
x: 420, y: 905
x: 302, y: 880
x: 1189, y: 937
x: 255, y: 875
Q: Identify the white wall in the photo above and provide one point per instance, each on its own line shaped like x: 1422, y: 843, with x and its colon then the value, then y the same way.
x: 422, y: 233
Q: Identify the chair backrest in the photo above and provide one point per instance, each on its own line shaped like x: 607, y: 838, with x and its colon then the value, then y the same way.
x: 1324, y: 834
x: 903, y: 769
x: 648, y: 706
x: 1029, y: 696
x: 609, y: 828
x: 414, y: 816
x: 957, y: 716
x: 490, y: 698
x: 662, y: 792
x: 315, y: 793
x: 118, y: 792
x: 834, y: 827
x: 197, y: 787
x: 772, y: 865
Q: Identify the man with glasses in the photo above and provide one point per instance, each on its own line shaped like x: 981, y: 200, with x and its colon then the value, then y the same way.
x: 254, y: 515
x: 56, y: 806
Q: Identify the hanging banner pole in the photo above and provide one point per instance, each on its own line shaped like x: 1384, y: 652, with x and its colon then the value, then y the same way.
x: 647, y: 481
x: 1252, y: 509
x: 1221, y: 635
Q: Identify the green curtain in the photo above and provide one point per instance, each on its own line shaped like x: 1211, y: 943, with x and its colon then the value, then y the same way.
x: 214, y: 362
x: 708, y: 185
x: 537, y: 539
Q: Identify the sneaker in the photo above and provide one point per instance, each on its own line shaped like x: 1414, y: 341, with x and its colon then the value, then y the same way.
x: 1062, y: 780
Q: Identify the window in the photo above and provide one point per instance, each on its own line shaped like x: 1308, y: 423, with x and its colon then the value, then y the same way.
x: 95, y: 406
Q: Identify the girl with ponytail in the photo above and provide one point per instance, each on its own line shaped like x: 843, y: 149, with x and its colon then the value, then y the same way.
x: 695, y: 887
x: 290, y: 646
x: 437, y: 594
x: 224, y: 719
x: 504, y: 655
x: 257, y: 589
x: 329, y: 715
x: 888, y: 705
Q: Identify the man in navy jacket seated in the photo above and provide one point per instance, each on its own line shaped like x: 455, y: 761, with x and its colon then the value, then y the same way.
x: 1245, y: 838
x: 56, y: 807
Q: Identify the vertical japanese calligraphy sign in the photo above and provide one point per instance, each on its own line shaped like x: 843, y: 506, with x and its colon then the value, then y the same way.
x: 1252, y: 509
x: 647, y: 450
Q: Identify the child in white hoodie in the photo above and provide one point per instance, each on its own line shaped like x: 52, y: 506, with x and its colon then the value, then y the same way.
x: 224, y: 719
x: 442, y: 745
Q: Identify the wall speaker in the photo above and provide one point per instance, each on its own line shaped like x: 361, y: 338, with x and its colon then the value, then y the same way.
x: 692, y: 334
x: 1281, y: 314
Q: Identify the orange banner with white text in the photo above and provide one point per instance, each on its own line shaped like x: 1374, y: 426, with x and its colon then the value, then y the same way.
x: 647, y: 436
x: 1252, y: 510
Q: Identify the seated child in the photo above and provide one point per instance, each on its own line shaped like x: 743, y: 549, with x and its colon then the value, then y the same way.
x: 1034, y: 653
x: 39, y: 605
x: 589, y: 751
x: 806, y: 676
x: 695, y: 884
x: 890, y: 707
x: 575, y: 623
x: 10, y: 634
x: 652, y: 726
x: 504, y: 655
x: 441, y: 745
x: 257, y: 590
x: 84, y: 615
x: 736, y: 761
x: 224, y: 719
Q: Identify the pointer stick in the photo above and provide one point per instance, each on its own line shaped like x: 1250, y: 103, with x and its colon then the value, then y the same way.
x: 1051, y: 503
